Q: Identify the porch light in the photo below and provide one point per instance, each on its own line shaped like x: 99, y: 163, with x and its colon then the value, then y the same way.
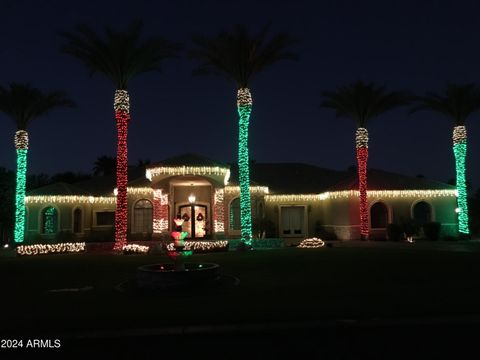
x: 191, y: 198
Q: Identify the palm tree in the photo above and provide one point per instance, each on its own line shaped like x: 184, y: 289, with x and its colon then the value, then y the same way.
x: 22, y: 103
x: 362, y: 102
x: 120, y: 56
x: 240, y: 56
x: 458, y: 103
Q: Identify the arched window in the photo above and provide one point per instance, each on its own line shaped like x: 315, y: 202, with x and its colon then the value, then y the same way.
x: 235, y: 214
x: 422, y: 212
x: 379, y: 216
x: 77, y: 221
x: 143, y: 216
x: 49, y: 220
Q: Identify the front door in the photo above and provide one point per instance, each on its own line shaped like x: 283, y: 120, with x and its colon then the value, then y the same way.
x: 195, y: 219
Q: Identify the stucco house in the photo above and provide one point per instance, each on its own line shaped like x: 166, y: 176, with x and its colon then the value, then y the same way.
x: 289, y: 201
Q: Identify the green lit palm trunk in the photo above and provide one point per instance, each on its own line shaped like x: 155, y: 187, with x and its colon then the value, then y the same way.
x: 361, y: 140
x: 21, y: 145
x: 460, y: 152
x: 244, y: 105
x: 122, y: 118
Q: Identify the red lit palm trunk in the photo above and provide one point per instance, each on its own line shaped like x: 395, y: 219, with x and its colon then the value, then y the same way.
x: 122, y: 118
x: 362, y: 158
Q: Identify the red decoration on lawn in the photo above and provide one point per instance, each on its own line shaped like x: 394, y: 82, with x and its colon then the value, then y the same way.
x: 362, y: 157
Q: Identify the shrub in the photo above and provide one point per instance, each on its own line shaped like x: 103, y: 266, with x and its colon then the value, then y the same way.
x: 395, y: 232
x: 431, y: 230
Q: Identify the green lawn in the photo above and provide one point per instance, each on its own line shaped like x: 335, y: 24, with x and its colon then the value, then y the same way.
x: 275, y: 285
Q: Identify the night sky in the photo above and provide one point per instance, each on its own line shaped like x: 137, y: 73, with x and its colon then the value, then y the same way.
x: 413, y: 45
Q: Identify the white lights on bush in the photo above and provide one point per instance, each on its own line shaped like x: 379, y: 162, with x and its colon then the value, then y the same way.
x: 42, y: 249
x: 312, y: 243
x: 201, y: 245
x: 135, y: 249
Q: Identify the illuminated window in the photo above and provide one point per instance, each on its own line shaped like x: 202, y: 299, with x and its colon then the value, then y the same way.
x: 143, y: 216
x: 49, y: 220
x: 379, y: 216
x: 292, y: 220
x: 77, y: 221
x: 422, y: 212
x: 235, y: 214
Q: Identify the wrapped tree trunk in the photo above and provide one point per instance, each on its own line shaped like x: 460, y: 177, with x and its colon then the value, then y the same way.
x: 460, y: 152
x: 361, y: 140
x: 21, y: 145
x: 244, y: 106
x: 122, y: 118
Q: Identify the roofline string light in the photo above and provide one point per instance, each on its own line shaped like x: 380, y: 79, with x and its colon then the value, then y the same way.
x: 21, y: 145
x: 253, y: 189
x: 356, y: 193
x: 150, y: 173
x: 122, y: 117
x: 460, y: 151
x: 361, y: 139
x: 244, y: 107
x: 69, y: 199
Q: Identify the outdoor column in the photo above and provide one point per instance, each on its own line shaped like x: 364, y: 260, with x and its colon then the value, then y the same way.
x: 160, y: 212
x: 219, y: 212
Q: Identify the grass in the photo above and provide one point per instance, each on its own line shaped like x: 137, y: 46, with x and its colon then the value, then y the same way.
x: 277, y: 285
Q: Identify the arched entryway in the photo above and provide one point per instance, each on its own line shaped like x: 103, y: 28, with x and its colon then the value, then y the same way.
x: 195, y: 220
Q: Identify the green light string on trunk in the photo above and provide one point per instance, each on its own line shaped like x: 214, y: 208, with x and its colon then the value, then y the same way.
x: 21, y: 144
x: 244, y: 105
x: 460, y: 152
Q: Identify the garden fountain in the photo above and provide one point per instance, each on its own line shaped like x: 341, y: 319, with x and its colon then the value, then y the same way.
x: 179, y: 274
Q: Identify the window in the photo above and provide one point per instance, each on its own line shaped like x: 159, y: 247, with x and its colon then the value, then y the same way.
x: 235, y: 214
x: 292, y: 220
x: 143, y: 217
x: 422, y: 212
x: 105, y: 218
x: 77, y: 221
x: 49, y: 220
x: 379, y: 216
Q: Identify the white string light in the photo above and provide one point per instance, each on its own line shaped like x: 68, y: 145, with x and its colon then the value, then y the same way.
x: 361, y: 137
x: 69, y: 199
x: 459, y: 134
x: 41, y: 249
x: 136, y: 249
x: 312, y: 243
x: 355, y: 193
x: 253, y: 189
x: 121, y: 101
x: 21, y: 140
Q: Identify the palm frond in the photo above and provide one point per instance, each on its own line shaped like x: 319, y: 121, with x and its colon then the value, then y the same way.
x: 363, y: 101
x: 22, y: 103
x: 119, y: 55
x: 457, y: 102
x: 238, y: 55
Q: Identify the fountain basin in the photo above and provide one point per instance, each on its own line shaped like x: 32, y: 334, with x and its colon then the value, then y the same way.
x: 165, y: 276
